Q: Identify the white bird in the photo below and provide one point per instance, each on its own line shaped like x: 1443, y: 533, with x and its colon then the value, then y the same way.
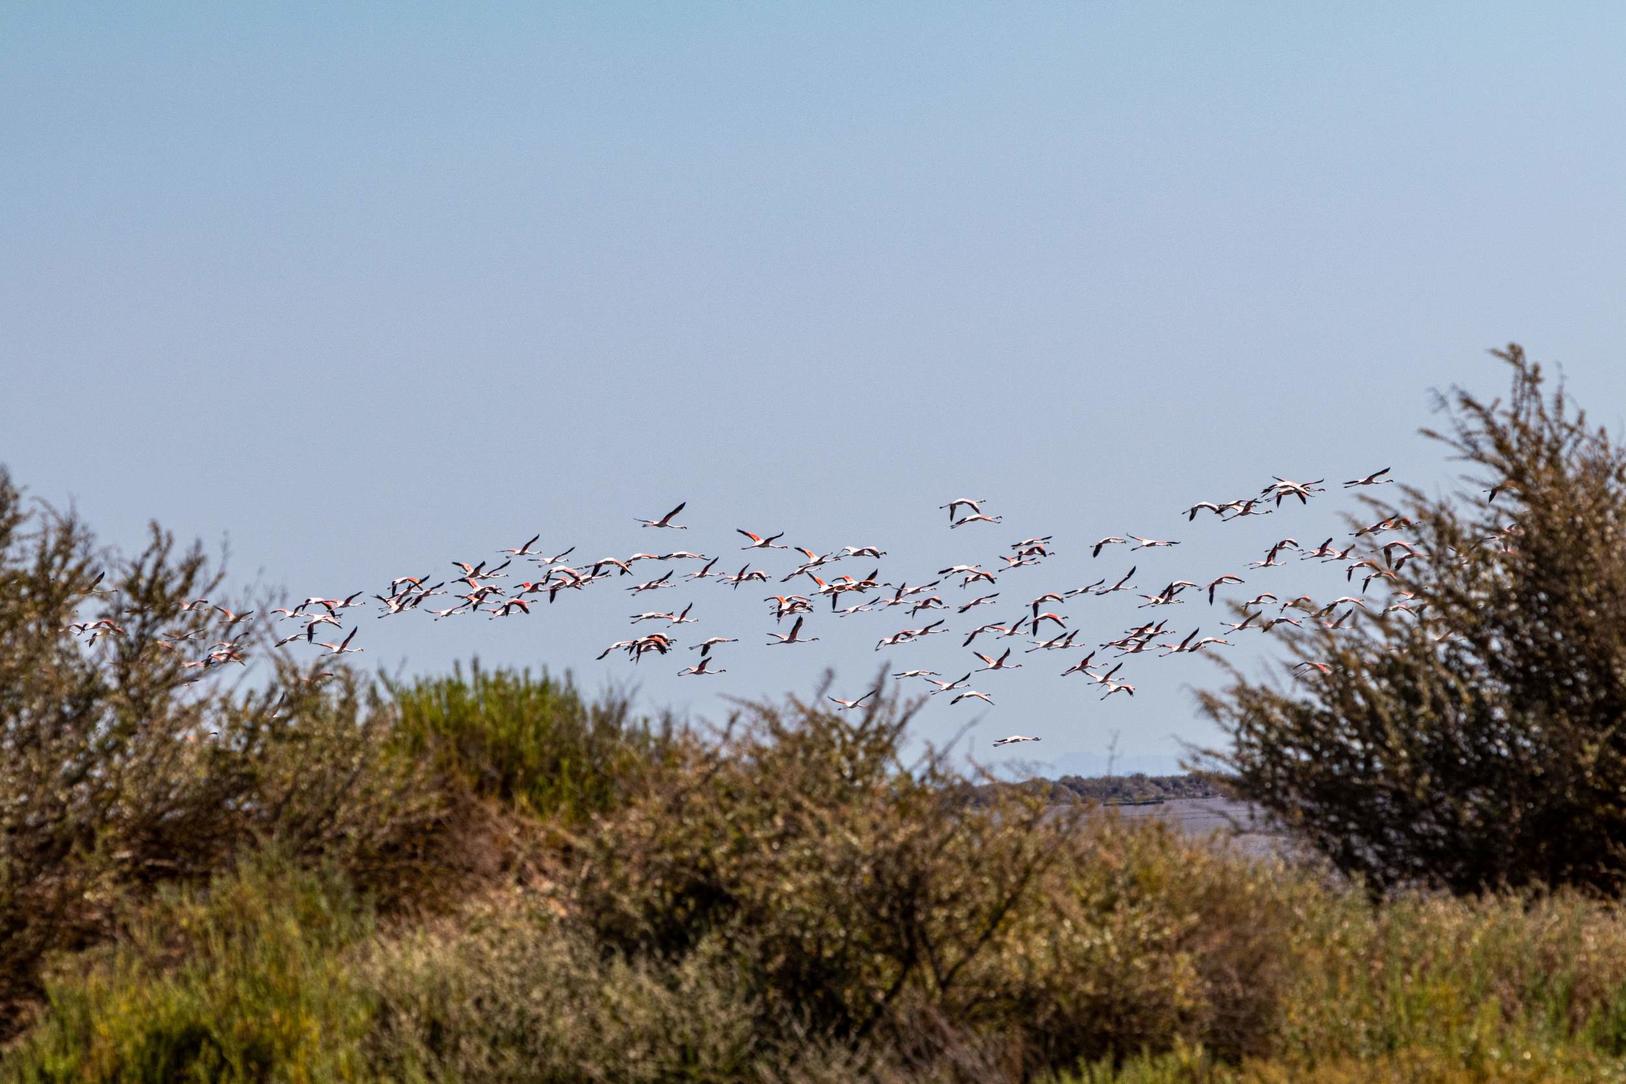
x: 793, y: 637
x: 705, y: 646
x: 556, y: 558
x: 1213, y: 585
x: 979, y: 630
x: 975, y: 504
x: 852, y: 703
x: 973, y: 694
x: 813, y: 561
x: 1082, y: 666
x: 1374, y: 479
x: 522, y: 551
x: 1016, y: 739
x: 969, y: 574
x: 232, y: 617
x: 1284, y: 487
x: 1148, y: 543
x: 619, y: 645
x: 1217, y: 509
x: 1249, y: 507
x: 680, y: 618
x: 760, y: 543
x: 1058, y: 642
x: 666, y: 520
x: 948, y: 686
x: 624, y: 567
x: 343, y: 647
x: 506, y: 609
x: 653, y: 585
x: 1102, y: 543
x: 746, y: 574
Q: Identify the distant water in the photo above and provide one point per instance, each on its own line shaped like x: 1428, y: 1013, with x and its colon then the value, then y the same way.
x: 1240, y: 823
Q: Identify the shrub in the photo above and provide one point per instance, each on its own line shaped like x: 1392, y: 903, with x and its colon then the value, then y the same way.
x: 240, y: 981
x: 1142, y: 940
x: 1470, y: 978
x: 121, y: 770
x: 878, y: 905
x: 509, y: 990
x: 532, y: 741
x: 790, y: 903
x: 1481, y: 745
x: 802, y: 838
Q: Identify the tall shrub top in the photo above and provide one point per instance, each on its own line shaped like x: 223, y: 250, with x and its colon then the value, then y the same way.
x: 1474, y: 740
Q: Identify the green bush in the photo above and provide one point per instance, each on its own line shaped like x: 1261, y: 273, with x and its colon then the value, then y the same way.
x: 1465, y: 978
x: 1473, y: 742
x: 122, y: 771
x: 873, y: 904
x: 511, y: 990
x: 532, y: 741
x: 1124, y: 952
x: 242, y: 980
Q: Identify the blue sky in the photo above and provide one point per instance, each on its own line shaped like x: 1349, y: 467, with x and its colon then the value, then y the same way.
x: 372, y: 288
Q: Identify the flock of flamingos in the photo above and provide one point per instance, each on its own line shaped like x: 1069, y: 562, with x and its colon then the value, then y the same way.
x: 806, y: 591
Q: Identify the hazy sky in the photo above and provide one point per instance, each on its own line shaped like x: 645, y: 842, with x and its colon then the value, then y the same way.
x: 369, y: 288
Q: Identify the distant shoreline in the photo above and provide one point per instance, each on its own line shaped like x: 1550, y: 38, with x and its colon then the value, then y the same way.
x: 1136, y: 787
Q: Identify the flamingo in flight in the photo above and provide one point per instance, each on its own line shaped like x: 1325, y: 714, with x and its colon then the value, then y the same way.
x: 525, y: 550
x: 973, y: 503
x: 343, y: 647
x: 666, y: 520
x: 1149, y: 543
x: 1215, y: 584
x: 1374, y: 479
x: 792, y: 637
x: 758, y: 542
x: 997, y: 664
x: 1102, y: 543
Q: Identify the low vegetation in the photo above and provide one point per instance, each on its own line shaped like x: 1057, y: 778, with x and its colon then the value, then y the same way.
x: 791, y: 901
x: 490, y: 876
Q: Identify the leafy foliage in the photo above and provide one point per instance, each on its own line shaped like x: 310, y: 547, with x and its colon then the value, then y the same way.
x: 120, y: 770
x: 1481, y: 745
x: 533, y: 741
x: 243, y: 981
